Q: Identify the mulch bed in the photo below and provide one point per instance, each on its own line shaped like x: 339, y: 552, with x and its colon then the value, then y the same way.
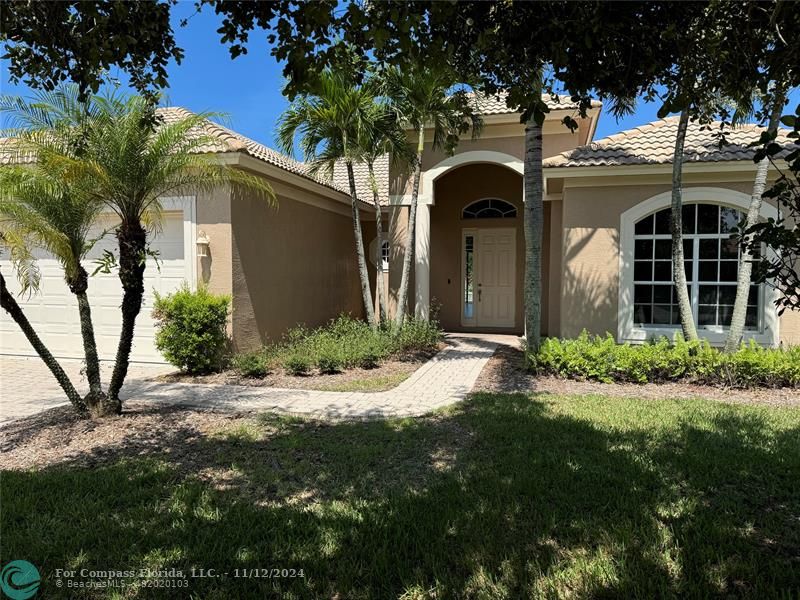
x: 506, y: 373
x: 314, y: 380
x: 58, y: 436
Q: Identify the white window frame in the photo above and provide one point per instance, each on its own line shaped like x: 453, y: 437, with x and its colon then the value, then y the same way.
x: 385, y: 256
x: 627, y: 331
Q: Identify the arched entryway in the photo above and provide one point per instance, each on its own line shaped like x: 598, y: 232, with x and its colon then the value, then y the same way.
x: 476, y: 252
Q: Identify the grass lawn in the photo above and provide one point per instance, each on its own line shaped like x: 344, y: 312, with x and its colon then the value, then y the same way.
x: 504, y: 496
x: 368, y: 384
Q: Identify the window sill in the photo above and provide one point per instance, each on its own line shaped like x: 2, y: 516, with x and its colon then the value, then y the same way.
x: 716, y: 336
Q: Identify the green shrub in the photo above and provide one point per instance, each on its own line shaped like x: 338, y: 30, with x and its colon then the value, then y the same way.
x: 600, y: 358
x: 251, y: 364
x: 297, y: 364
x: 329, y: 364
x: 369, y: 360
x: 191, y: 329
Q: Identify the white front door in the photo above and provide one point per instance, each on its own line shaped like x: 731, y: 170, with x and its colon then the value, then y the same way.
x: 491, y: 301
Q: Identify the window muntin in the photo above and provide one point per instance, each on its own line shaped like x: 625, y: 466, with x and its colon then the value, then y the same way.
x: 489, y: 208
x: 711, y: 266
x: 385, y: 254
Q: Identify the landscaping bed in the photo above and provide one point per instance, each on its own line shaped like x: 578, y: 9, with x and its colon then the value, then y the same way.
x: 508, y: 371
x: 600, y: 358
x: 388, y: 374
x: 344, y: 355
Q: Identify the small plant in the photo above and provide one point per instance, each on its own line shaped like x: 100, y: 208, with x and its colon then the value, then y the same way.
x: 602, y: 359
x: 191, y: 329
x: 369, y: 360
x: 251, y: 364
x: 329, y: 364
x: 297, y: 364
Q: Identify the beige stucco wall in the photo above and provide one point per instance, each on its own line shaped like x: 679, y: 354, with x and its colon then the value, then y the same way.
x: 213, y: 214
x: 590, y: 254
x: 504, y: 138
x: 285, y: 266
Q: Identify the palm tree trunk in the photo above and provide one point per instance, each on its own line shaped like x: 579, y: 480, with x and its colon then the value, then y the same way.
x: 9, y: 304
x: 380, y: 287
x: 676, y: 226
x: 408, y: 254
x: 132, y: 239
x: 363, y: 274
x: 533, y: 224
x: 739, y: 316
x: 78, y: 286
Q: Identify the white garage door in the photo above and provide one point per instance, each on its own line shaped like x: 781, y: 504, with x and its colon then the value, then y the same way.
x: 53, y: 311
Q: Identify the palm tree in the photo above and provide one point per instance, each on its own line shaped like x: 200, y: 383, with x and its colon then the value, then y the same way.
x: 330, y: 121
x: 128, y: 158
x: 41, y: 206
x: 423, y: 97
x: 743, y: 279
x: 38, y: 211
x: 382, y: 137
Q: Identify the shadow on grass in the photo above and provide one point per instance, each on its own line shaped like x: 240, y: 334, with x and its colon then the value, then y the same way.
x: 509, y: 496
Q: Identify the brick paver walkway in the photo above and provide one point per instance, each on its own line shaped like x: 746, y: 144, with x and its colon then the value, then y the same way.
x: 445, y: 379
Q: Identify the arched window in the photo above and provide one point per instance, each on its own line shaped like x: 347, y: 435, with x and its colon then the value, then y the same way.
x: 711, y: 265
x: 490, y: 208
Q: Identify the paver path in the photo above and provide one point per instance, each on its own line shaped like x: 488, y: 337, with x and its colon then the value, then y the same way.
x: 445, y: 379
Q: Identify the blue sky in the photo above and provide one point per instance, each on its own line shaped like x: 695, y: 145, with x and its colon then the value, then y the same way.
x: 248, y: 89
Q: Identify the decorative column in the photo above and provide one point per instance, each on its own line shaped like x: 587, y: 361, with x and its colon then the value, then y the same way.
x: 422, y: 262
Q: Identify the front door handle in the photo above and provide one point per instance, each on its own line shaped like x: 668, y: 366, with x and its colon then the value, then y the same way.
x: 479, y: 292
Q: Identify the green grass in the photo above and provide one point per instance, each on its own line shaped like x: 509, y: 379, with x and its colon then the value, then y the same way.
x: 505, y: 496
x: 368, y: 384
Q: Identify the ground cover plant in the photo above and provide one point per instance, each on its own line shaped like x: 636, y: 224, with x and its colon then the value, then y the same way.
x: 344, y: 343
x: 600, y: 358
x: 502, y: 496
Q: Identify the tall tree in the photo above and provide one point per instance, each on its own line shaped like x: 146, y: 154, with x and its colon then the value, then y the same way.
x: 676, y: 229
x: 382, y: 139
x: 330, y: 121
x: 425, y: 101
x: 49, y: 43
x: 744, y: 276
x: 779, y: 266
x: 42, y: 207
x: 130, y: 158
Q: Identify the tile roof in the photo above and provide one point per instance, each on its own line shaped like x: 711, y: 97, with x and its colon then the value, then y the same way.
x: 654, y: 144
x: 223, y: 139
x: 361, y: 173
x: 496, y: 104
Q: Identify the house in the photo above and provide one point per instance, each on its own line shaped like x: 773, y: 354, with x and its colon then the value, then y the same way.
x: 281, y: 266
x: 606, y: 250
x: 605, y: 256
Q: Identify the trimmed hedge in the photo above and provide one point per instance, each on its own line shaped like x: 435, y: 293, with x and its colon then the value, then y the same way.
x: 344, y: 343
x: 191, y: 329
x: 600, y: 358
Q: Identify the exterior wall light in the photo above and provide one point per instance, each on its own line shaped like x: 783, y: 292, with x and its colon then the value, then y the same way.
x: 203, y: 244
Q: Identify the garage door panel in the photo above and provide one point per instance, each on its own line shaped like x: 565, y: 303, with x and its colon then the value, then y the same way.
x: 54, y: 311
